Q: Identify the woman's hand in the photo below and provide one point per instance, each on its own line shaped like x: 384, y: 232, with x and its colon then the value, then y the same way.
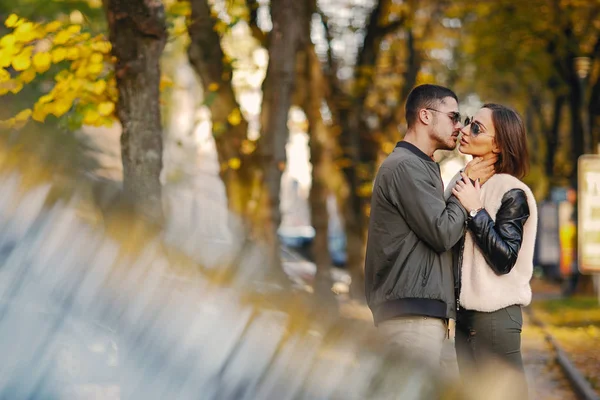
x: 467, y: 194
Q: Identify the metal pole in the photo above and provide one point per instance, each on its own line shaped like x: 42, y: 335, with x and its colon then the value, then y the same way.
x: 584, y: 120
x: 597, y: 284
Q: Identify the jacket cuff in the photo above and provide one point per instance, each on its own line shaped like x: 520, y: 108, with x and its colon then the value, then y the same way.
x: 479, y: 221
x: 454, y: 200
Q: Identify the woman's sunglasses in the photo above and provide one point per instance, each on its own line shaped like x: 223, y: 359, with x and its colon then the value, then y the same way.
x: 475, y: 127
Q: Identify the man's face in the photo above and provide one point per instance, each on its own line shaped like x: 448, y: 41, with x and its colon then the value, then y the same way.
x: 446, y: 125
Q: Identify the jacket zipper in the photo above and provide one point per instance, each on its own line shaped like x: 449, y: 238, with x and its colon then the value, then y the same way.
x: 459, y: 269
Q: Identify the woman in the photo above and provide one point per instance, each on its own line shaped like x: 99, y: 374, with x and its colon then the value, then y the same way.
x: 494, y: 262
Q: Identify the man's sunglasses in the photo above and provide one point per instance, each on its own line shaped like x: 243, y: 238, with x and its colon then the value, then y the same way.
x: 455, y: 118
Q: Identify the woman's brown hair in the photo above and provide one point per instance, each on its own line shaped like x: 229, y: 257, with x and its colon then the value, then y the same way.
x: 511, y: 138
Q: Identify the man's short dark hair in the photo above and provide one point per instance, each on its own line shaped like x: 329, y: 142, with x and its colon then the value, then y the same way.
x: 425, y: 96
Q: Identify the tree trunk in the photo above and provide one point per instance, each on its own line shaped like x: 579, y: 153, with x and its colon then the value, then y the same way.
x: 358, y: 146
x: 207, y: 58
x: 278, y: 88
x: 138, y: 35
x: 320, y: 158
x: 552, y: 138
x: 577, y: 130
x: 594, y: 116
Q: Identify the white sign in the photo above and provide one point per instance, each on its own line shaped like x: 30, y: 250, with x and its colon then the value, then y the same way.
x: 588, y: 214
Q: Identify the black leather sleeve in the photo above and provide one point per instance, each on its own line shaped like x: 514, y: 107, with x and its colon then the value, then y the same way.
x: 500, y: 241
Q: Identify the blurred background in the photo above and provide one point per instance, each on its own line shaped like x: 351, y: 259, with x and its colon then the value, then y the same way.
x: 224, y: 150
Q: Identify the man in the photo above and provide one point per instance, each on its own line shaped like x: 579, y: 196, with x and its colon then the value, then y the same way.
x: 409, y: 279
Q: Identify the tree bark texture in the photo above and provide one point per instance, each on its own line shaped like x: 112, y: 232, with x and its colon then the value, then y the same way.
x: 138, y: 35
x: 594, y: 104
x: 278, y: 89
x: 207, y: 58
x: 552, y: 139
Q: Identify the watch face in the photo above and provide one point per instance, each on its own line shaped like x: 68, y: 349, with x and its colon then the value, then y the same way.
x: 473, y: 213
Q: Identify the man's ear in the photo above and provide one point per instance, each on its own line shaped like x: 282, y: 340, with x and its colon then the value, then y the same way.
x: 425, y: 116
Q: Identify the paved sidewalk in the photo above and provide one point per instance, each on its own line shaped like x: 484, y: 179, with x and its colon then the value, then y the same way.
x: 546, y: 379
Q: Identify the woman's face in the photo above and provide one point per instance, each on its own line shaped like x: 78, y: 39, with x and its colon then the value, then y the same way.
x: 479, y: 137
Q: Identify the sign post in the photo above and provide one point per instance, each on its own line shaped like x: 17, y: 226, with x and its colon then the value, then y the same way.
x: 588, y: 217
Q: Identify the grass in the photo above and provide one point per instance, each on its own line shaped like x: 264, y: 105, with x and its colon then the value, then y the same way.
x: 575, y: 311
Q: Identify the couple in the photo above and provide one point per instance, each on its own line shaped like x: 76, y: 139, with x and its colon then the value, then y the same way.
x: 464, y: 254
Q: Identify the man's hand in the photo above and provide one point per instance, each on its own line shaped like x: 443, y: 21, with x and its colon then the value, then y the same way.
x: 481, y: 168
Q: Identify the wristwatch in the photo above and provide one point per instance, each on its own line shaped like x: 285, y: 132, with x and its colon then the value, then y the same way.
x: 474, y: 212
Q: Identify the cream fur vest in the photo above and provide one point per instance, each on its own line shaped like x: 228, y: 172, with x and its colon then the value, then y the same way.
x: 481, y: 288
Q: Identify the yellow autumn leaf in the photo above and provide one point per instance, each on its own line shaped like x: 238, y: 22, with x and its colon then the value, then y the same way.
x: 53, y: 26
x: 165, y: 82
x: 72, y: 53
x: 180, y: 8
x: 11, y: 21
x: 248, y: 147
x: 95, y: 68
x: 76, y: 84
x: 58, y: 54
x: 23, y: 115
x: 63, y: 75
x: 42, y: 61
x: 91, y: 117
x: 81, y: 73
x: 62, y: 37
x: 96, y: 58
x: 388, y: 147
x: 40, y: 112
x: 364, y: 190
x: 16, y: 86
x: 61, y: 106
x: 9, y: 123
x: 234, y: 163
x: 85, y: 51
x: 24, y: 27
x: 47, y: 98
x: 84, y: 37
x: 28, y: 75
x: 25, y: 32
x: 21, y: 62
x: 4, y: 75
x: 235, y: 117
x: 102, y: 46
x: 179, y: 30
x: 8, y: 41
x: 99, y: 87
x: 220, y: 27
x: 213, y: 87
x: 74, y: 29
x: 5, y: 58
x: 106, y: 108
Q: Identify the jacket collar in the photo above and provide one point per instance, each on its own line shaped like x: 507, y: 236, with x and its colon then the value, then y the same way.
x: 414, y: 149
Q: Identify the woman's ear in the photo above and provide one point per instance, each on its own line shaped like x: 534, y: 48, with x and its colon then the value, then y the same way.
x: 495, y: 148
